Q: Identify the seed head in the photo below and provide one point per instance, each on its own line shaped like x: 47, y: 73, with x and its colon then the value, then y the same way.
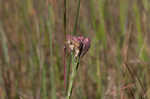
x: 79, y: 45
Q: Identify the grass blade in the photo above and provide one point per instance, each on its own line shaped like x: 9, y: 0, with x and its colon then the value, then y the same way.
x: 52, y: 75
x: 76, y: 20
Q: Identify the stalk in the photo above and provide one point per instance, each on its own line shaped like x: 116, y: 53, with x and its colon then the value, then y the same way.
x: 77, y: 16
x: 52, y: 70
x: 3, y: 40
x: 65, y: 30
x: 75, y: 64
x: 66, y: 75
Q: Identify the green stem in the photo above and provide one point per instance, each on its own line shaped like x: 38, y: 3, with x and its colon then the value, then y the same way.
x: 67, y: 74
x: 3, y: 40
x: 76, y: 20
x: 52, y: 68
x: 75, y: 64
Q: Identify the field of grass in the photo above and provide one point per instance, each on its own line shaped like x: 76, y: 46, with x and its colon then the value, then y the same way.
x: 32, y: 38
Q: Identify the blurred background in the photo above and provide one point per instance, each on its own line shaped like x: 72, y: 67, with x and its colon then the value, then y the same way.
x: 32, y: 36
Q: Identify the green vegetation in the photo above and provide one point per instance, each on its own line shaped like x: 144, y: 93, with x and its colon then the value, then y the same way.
x: 32, y: 37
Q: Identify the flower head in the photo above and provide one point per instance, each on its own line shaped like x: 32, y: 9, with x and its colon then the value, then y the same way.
x: 79, y: 45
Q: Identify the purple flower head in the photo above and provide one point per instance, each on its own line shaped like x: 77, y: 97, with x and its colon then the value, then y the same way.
x: 86, y: 45
x: 79, y: 45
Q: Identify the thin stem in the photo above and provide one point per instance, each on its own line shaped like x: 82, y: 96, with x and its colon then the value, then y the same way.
x: 77, y: 16
x: 67, y: 73
x: 64, y: 67
x: 75, y: 64
x: 3, y: 40
x: 65, y: 17
x: 65, y: 30
x: 52, y: 70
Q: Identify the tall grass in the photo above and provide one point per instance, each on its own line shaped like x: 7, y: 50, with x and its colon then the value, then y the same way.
x: 100, y: 33
x: 52, y: 74
x: 3, y: 39
x: 4, y: 44
x: 73, y: 62
x: 31, y: 42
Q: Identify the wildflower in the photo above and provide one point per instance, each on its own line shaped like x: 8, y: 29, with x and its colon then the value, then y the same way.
x: 79, y: 45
